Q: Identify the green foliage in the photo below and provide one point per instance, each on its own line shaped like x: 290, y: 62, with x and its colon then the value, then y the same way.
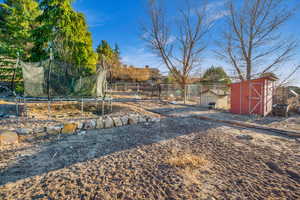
x: 170, y: 79
x: 19, y: 88
x: 68, y: 32
x: 104, y: 51
x: 17, y: 21
x: 215, y: 75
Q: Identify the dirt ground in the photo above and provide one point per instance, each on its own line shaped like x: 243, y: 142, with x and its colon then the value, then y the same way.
x: 179, y: 157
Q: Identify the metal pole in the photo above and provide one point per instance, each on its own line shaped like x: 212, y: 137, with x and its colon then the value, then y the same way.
x: 82, y: 107
x: 102, y: 107
x: 17, y: 110
x: 49, y: 110
x: 14, y: 73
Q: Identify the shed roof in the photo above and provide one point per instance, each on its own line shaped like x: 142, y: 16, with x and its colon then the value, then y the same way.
x: 217, y: 92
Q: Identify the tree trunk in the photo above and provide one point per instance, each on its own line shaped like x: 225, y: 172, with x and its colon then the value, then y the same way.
x: 249, y: 70
x: 185, y: 94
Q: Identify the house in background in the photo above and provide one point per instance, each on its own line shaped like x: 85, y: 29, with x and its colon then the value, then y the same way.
x: 286, y: 95
x: 218, y: 96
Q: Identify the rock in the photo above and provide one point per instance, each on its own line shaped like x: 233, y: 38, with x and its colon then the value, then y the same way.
x: 117, y: 121
x: 23, y: 131
x: 154, y: 120
x: 39, y: 130
x: 100, y: 123
x: 142, y: 119
x: 69, y: 128
x: 108, y: 122
x: 124, y: 120
x: 79, y: 124
x: 244, y: 137
x: 82, y: 133
x: 53, y: 130
x: 41, y: 134
x: 8, y: 137
x: 133, y: 119
x: 91, y: 124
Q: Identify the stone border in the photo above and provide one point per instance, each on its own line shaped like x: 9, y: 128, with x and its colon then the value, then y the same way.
x: 75, y: 127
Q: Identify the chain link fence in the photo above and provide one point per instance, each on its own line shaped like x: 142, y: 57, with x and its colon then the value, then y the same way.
x: 195, y: 93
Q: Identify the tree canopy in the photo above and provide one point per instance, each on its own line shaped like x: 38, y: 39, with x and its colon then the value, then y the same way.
x: 112, y: 56
x: 17, y: 22
x: 68, y: 34
x: 215, y: 75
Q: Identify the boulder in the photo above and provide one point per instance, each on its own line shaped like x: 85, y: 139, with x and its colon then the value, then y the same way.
x: 108, y: 122
x: 124, y: 120
x: 41, y: 134
x: 8, y: 137
x: 82, y: 133
x: 91, y: 124
x: 39, y: 130
x: 24, y: 131
x: 100, y: 123
x: 117, y: 121
x: 79, y: 124
x: 142, y: 119
x: 53, y: 130
x: 69, y: 128
x: 153, y: 120
x: 133, y: 119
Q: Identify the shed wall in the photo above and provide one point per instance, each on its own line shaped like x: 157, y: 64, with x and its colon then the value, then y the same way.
x: 252, y: 97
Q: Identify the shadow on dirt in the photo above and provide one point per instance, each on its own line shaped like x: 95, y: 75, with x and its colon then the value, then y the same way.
x: 95, y: 144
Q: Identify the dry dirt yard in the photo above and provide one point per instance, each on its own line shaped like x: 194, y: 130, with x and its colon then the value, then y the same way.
x: 177, y: 158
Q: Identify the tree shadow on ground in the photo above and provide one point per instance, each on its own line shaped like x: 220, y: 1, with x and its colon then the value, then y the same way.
x: 96, y: 144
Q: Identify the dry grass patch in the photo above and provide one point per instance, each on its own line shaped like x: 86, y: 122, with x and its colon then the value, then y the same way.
x: 188, y: 160
x: 191, y: 167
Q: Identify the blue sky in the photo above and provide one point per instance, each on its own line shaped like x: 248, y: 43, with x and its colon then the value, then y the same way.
x: 118, y: 21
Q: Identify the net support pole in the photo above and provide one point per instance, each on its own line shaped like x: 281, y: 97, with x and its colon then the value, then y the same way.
x: 15, y: 72
x: 49, y: 109
x: 82, y: 107
x: 49, y: 73
x: 102, y: 107
x: 17, y: 110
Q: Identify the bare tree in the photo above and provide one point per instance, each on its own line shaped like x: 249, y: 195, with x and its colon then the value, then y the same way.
x: 181, y: 49
x: 252, y: 42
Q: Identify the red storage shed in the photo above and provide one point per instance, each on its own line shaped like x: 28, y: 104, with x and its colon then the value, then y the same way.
x: 253, y: 96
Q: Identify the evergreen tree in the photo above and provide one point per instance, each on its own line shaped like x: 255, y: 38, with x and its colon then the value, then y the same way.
x: 104, y: 51
x: 68, y: 33
x: 215, y: 75
x: 17, y: 21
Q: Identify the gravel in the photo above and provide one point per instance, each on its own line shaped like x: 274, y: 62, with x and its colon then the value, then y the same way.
x: 130, y: 163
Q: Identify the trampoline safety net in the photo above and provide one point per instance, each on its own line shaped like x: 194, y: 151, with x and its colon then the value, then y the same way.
x: 58, y: 79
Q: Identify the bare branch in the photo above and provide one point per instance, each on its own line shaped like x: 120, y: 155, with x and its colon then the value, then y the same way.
x: 181, y: 50
x: 252, y: 40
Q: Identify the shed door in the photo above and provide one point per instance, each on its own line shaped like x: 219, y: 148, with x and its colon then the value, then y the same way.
x: 255, y: 98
